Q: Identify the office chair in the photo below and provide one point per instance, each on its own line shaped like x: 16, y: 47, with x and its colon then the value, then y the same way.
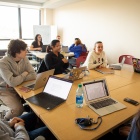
x: 33, y: 61
x: 128, y: 59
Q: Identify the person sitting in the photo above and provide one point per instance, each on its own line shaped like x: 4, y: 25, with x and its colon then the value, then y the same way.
x: 77, y: 48
x: 15, y: 68
x: 37, y: 44
x: 55, y: 60
x: 24, y: 128
x: 97, y: 57
x: 58, y: 37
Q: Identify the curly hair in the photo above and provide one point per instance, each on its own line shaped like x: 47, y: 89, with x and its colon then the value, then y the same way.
x: 15, y: 46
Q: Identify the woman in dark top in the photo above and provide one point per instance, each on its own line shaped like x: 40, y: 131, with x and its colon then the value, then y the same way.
x: 37, y: 44
x: 55, y: 60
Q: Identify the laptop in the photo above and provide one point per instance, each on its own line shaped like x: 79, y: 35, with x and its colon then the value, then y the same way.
x: 97, y: 97
x: 55, y: 93
x: 44, y: 48
x: 65, y: 49
x: 136, y: 64
x: 117, y: 66
x: 40, y: 80
x: 76, y: 73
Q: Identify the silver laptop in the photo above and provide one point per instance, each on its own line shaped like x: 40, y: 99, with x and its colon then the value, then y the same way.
x: 40, y: 81
x: 76, y: 73
x: 117, y: 66
x: 65, y: 49
x: 97, y: 97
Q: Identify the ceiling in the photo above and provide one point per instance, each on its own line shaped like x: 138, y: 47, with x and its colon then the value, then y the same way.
x: 38, y: 3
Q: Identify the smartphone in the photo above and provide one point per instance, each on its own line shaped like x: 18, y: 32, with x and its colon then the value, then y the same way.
x: 131, y: 101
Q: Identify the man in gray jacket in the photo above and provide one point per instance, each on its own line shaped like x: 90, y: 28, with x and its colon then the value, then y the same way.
x: 15, y: 68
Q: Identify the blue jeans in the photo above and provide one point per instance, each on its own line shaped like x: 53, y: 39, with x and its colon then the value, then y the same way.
x: 30, y: 120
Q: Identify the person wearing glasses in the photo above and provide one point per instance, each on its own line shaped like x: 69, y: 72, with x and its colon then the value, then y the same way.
x: 97, y: 57
x: 77, y: 48
x: 37, y: 44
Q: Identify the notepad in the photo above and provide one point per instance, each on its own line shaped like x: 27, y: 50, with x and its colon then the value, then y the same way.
x: 105, y: 70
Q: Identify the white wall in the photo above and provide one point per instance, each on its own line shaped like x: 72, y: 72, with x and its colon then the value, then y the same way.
x: 114, y: 22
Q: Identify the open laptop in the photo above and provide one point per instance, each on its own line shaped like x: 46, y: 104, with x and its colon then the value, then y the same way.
x: 40, y: 80
x: 44, y: 48
x: 65, y: 49
x: 55, y: 92
x: 136, y: 64
x: 97, y: 97
x: 76, y: 73
x: 117, y: 66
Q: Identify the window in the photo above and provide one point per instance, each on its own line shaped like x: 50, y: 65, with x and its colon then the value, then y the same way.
x: 17, y: 23
x: 29, y: 17
x: 9, y: 22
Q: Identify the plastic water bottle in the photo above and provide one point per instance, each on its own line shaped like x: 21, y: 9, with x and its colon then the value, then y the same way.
x: 79, y: 96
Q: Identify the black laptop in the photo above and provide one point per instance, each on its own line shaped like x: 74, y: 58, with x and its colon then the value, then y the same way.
x: 44, y: 48
x: 55, y: 92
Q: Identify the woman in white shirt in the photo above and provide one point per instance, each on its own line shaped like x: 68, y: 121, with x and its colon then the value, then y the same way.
x: 97, y: 57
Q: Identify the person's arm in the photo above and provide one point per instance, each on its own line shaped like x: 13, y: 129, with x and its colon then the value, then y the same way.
x: 49, y: 62
x: 90, y: 60
x: 8, y: 77
x: 20, y: 132
x: 31, y: 73
x: 11, y: 80
x: 34, y: 49
x: 71, y: 48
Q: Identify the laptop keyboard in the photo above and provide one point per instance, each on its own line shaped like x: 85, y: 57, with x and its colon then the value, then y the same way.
x: 103, y: 103
x: 31, y: 86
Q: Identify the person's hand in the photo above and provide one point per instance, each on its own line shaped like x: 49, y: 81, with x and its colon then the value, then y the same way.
x: 19, y: 123
x: 15, y: 120
x: 65, y: 60
x: 26, y: 72
x: 39, y: 48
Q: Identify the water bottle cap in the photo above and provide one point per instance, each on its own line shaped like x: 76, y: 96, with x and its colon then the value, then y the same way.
x: 79, y: 85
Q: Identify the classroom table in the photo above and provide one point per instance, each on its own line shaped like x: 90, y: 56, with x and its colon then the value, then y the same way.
x: 61, y: 119
x: 42, y: 55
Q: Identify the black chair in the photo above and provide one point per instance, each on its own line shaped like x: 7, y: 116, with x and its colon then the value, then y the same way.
x: 42, y: 67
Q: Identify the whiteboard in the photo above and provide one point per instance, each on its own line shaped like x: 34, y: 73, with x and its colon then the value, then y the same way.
x: 47, y: 32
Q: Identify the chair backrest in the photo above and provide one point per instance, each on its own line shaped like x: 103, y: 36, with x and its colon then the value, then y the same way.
x: 42, y: 67
x: 2, y: 53
x: 84, y: 53
x: 128, y: 59
x: 79, y: 60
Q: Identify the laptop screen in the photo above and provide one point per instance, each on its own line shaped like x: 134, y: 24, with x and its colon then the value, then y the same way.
x: 58, y: 87
x: 96, y: 89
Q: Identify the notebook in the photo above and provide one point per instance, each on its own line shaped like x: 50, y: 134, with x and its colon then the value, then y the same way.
x: 136, y: 64
x: 117, y: 66
x: 65, y: 49
x: 97, y: 97
x: 55, y: 93
x: 40, y: 80
x: 76, y: 73
x: 105, y: 70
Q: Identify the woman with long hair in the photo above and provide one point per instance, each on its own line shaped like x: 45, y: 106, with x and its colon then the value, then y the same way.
x: 37, y: 43
x: 77, y: 48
